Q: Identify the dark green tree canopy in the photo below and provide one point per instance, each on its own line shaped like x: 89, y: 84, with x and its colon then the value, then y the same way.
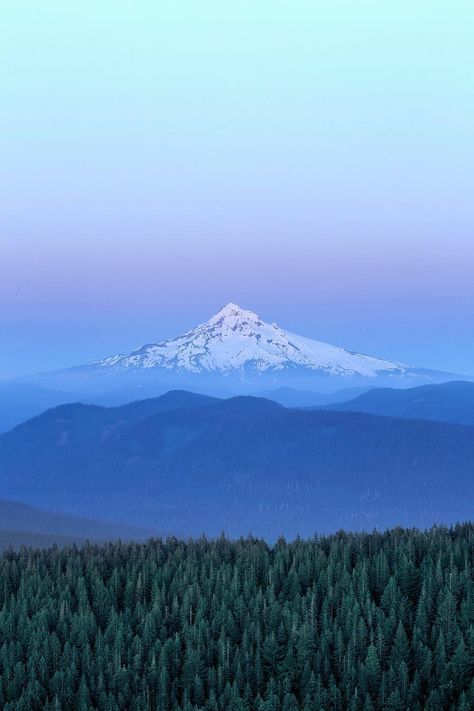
x: 349, y: 621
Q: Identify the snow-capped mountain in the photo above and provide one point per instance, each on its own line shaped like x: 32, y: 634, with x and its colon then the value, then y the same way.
x: 239, y: 341
x: 234, y: 353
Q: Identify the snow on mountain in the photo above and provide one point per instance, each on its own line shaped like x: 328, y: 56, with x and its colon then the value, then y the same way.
x: 238, y: 340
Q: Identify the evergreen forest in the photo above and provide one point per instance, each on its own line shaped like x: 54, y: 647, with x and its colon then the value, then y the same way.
x: 348, y: 621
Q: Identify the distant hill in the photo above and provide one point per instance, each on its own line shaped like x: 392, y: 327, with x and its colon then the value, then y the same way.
x: 21, y: 401
x: 21, y: 524
x: 446, y: 402
x: 27, y: 539
x: 243, y: 464
x: 291, y: 397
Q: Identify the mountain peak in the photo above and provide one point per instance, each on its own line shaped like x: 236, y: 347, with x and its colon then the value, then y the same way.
x: 230, y: 307
x: 233, y: 313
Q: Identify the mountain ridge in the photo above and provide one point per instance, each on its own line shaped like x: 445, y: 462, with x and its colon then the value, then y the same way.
x: 25, y: 524
x: 241, y: 465
x: 445, y: 402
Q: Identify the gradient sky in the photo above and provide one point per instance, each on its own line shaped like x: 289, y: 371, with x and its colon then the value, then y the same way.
x: 313, y: 161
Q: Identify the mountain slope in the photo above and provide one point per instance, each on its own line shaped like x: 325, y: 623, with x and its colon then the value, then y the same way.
x: 289, y: 397
x: 21, y: 401
x: 244, y: 464
x: 15, y: 540
x: 447, y: 402
x: 21, y: 524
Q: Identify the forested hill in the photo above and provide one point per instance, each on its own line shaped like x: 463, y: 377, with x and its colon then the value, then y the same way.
x: 358, y: 622
x: 187, y: 464
x: 446, y: 402
x: 27, y: 525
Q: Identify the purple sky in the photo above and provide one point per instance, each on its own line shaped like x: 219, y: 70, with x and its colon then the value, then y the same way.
x: 313, y: 163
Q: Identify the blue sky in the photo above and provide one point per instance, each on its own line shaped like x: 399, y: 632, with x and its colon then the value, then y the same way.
x: 313, y: 161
